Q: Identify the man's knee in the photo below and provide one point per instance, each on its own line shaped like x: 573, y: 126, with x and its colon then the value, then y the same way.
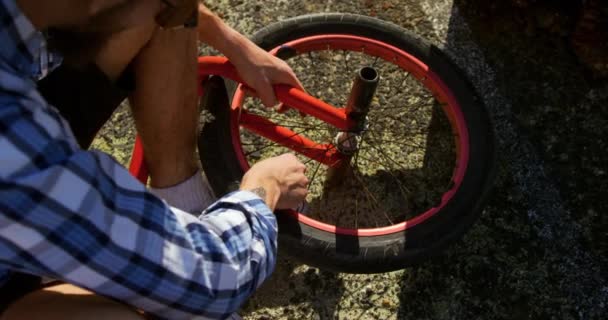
x: 68, y: 302
x: 122, y: 48
x: 147, y: 41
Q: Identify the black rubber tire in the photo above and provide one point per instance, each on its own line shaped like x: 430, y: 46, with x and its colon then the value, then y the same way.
x: 378, y: 253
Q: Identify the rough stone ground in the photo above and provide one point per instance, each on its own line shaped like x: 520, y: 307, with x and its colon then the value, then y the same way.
x: 539, y: 249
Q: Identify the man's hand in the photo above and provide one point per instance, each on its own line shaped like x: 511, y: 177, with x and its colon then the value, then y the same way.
x: 280, y: 181
x: 259, y: 69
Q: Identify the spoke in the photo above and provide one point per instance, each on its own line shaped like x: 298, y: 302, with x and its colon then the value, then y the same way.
x: 301, y: 147
x: 382, y: 124
x: 277, y: 142
x: 308, y: 161
x: 322, y: 126
x: 346, y: 55
x: 343, y: 205
x: 356, y: 162
x: 311, y: 72
x: 397, y: 141
x: 424, y: 178
x: 291, y: 123
x: 288, y: 125
x: 370, y: 196
x: 331, y: 147
x: 362, y: 141
x: 375, y: 61
x: 416, y: 107
x: 399, y: 166
x: 386, y: 157
x: 356, y: 212
x: 404, y: 81
x: 366, y: 56
x: 389, y: 117
x: 407, y: 132
x: 404, y: 190
x: 314, y: 175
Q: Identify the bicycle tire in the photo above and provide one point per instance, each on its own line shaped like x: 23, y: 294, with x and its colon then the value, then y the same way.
x: 351, y: 253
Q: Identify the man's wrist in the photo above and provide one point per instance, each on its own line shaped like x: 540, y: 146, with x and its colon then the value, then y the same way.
x: 213, y: 31
x: 268, y: 192
x: 260, y: 192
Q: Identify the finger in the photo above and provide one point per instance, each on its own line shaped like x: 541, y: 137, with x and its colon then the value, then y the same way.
x: 291, y: 156
x: 281, y: 107
x: 297, y: 83
x: 266, y: 94
x: 289, y: 77
x: 250, y: 91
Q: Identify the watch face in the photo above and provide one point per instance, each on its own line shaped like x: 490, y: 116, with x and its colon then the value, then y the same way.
x: 177, y: 13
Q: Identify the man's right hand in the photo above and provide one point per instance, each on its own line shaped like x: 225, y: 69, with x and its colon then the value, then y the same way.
x: 280, y: 181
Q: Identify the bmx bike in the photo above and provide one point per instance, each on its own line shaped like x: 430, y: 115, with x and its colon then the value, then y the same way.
x: 399, y: 159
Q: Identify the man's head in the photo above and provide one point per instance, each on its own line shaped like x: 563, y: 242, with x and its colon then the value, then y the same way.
x: 109, y: 16
x: 79, y: 28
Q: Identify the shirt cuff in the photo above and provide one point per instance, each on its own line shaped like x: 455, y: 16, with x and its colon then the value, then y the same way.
x: 250, y: 200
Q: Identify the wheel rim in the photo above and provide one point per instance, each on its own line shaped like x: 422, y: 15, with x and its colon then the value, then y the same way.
x: 414, y: 70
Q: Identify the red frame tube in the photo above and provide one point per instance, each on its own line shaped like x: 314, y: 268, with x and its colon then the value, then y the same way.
x: 290, y: 96
x: 138, y: 167
x: 324, y: 153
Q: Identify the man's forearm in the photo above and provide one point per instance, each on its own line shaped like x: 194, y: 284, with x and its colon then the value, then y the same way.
x: 214, y: 32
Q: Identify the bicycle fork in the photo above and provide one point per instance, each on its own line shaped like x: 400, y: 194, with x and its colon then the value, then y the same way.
x: 348, y: 142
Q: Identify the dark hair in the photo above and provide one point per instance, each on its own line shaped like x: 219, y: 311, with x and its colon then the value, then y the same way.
x: 79, y: 44
x: 77, y: 48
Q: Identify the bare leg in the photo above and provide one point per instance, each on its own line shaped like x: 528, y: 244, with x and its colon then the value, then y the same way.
x: 165, y: 105
x: 164, y: 102
x: 68, y: 302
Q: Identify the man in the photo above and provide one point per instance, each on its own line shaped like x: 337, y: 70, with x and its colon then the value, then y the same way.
x: 79, y: 217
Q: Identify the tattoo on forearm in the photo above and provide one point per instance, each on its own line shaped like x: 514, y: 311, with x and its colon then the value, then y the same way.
x: 261, y: 192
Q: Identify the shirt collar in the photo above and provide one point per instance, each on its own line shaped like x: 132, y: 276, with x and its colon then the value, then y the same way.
x: 21, y: 45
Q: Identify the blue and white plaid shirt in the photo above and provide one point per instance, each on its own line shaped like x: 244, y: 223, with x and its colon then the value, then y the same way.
x: 79, y: 216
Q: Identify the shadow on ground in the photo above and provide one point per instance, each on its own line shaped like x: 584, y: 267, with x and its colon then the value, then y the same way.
x: 538, y: 249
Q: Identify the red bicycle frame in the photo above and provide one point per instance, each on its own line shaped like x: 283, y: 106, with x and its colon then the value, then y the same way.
x: 290, y: 96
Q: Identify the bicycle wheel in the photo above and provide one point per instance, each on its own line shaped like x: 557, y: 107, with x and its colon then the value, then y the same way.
x: 422, y: 163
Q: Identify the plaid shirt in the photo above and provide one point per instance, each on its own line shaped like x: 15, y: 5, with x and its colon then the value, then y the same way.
x: 79, y: 216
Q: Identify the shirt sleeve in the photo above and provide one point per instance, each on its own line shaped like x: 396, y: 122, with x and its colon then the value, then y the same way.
x: 79, y: 216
